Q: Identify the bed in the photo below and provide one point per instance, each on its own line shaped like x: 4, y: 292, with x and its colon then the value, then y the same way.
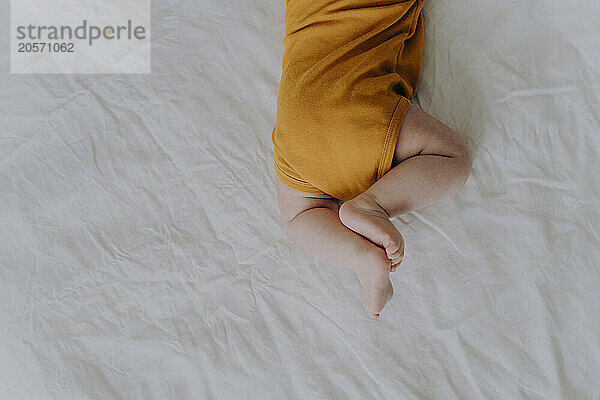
x: 141, y: 255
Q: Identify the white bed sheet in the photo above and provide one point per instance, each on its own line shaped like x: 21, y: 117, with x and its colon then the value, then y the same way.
x: 141, y: 255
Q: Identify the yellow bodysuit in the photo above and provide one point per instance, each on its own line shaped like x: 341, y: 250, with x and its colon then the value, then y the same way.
x: 349, y: 70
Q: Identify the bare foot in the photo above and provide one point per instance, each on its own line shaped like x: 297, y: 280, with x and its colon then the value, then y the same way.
x: 364, y: 216
x: 373, y: 271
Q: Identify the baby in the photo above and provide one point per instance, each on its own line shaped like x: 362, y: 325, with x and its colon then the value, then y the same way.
x: 350, y: 150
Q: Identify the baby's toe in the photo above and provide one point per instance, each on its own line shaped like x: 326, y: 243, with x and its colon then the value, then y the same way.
x: 392, y: 247
x: 396, y: 257
x: 394, y: 266
x: 395, y: 247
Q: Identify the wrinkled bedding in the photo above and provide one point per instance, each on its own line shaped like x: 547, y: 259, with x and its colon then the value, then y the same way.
x: 141, y: 255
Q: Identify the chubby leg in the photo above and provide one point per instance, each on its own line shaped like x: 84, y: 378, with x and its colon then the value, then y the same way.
x: 431, y: 161
x: 312, y: 222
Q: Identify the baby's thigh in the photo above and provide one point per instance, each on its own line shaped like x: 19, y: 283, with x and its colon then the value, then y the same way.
x: 292, y: 202
x: 422, y: 133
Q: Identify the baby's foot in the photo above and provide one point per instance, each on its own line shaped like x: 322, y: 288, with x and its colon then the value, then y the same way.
x: 364, y: 216
x: 373, y: 271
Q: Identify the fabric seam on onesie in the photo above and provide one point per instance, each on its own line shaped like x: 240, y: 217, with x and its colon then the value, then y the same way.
x: 393, y: 131
x: 296, y: 183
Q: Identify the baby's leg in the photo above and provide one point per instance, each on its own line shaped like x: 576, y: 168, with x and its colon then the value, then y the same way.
x: 312, y: 222
x: 431, y: 161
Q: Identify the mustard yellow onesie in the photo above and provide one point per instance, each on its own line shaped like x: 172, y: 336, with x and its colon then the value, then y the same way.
x: 349, y: 70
